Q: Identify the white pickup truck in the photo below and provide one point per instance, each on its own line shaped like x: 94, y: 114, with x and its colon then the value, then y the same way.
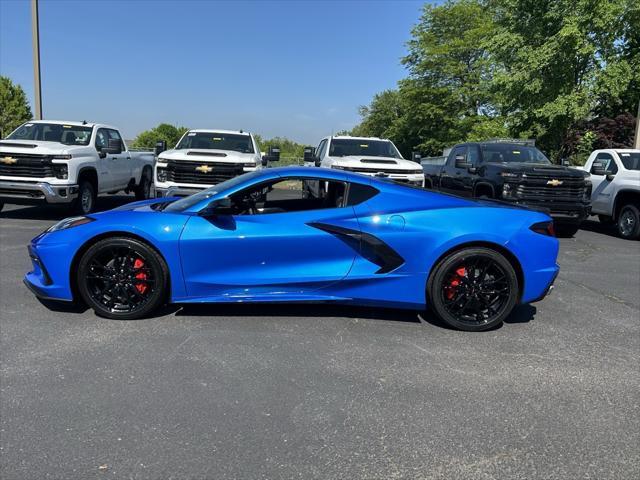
x: 369, y: 156
x: 59, y: 162
x: 615, y: 176
x: 203, y: 158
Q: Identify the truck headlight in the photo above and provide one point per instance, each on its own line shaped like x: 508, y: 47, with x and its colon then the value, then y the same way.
x: 61, y: 171
x: 507, y: 190
x: 161, y: 174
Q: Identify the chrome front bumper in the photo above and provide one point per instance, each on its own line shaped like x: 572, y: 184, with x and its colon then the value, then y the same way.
x: 35, y: 192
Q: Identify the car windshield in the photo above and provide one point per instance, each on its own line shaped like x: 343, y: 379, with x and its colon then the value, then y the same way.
x: 505, y: 152
x: 188, y: 202
x: 216, y: 141
x: 53, y: 132
x: 630, y: 160
x: 370, y: 148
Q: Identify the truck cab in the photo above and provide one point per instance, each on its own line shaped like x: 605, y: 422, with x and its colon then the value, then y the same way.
x: 516, y: 172
x: 70, y: 163
x: 366, y: 155
x: 615, y: 175
x: 205, y: 157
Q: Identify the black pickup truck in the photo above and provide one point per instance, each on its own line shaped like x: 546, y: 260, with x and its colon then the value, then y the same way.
x: 518, y: 173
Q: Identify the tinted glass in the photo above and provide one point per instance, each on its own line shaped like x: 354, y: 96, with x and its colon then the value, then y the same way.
x: 102, y: 138
x: 216, y: 141
x: 341, y: 147
x: 630, y: 160
x: 359, y: 193
x: 53, y: 132
x: 504, y: 152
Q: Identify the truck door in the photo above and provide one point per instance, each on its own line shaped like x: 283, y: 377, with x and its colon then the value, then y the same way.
x: 452, y: 178
x: 120, y: 164
x: 602, y: 193
x: 106, y: 179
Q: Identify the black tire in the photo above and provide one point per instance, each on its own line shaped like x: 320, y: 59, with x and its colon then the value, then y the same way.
x: 122, y: 278
x: 143, y: 189
x: 628, y: 222
x: 567, y: 229
x: 473, y: 289
x: 606, y: 220
x: 87, y: 197
x: 1, y: 206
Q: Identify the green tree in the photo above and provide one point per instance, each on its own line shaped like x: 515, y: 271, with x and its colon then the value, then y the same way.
x: 169, y: 133
x: 14, y: 107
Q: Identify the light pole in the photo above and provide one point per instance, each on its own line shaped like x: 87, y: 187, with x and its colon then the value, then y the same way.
x: 35, y: 33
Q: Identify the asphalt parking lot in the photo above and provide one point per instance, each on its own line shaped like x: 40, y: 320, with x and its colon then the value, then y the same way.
x: 324, y: 391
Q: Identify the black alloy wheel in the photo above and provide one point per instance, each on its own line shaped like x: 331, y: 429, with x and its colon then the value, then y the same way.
x: 122, y: 278
x: 473, y: 289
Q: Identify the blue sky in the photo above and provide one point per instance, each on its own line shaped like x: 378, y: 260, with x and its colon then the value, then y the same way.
x: 286, y: 68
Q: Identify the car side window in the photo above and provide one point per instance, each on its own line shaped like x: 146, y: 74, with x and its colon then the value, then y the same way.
x: 102, y: 139
x: 359, y: 193
x: 462, y: 150
x: 287, y: 195
x: 114, y: 135
x: 321, y: 149
x: 474, y: 155
x: 606, y: 162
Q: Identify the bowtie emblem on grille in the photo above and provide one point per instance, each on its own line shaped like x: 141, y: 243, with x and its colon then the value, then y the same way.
x: 8, y: 160
x: 204, y: 169
x: 555, y: 182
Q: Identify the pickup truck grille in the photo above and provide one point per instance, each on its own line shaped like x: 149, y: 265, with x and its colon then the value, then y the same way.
x: 25, y: 165
x: 381, y: 169
x: 191, y: 172
x: 544, y: 187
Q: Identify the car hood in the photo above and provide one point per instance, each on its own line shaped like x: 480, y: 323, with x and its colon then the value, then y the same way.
x: 38, y: 147
x: 206, y: 155
x: 372, y: 162
x: 537, y: 168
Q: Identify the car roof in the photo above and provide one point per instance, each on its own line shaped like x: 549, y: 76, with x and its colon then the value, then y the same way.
x: 219, y: 130
x: 74, y: 123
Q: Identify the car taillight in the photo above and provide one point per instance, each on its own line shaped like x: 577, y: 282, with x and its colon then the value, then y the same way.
x: 544, y: 228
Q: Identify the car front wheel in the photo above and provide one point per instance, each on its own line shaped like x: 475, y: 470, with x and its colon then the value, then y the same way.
x: 473, y: 289
x: 122, y: 278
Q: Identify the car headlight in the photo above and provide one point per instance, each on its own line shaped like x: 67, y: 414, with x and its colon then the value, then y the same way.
x: 69, y: 223
x: 416, y: 172
x: 161, y: 174
x: 249, y: 164
x: 61, y: 170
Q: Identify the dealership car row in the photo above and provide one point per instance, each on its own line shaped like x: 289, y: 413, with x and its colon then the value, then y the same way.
x: 62, y: 162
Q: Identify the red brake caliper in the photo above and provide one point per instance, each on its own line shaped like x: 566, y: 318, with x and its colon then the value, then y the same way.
x: 451, y: 289
x: 142, y: 285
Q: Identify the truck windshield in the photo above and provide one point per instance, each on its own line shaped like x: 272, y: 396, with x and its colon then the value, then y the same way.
x: 188, y: 202
x: 505, y: 152
x: 370, y: 148
x: 630, y: 160
x: 216, y: 141
x: 53, y: 132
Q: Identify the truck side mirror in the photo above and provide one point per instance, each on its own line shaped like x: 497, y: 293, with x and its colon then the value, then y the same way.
x: 308, y: 154
x: 161, y: 146
x: 416, y: 157
x: 461, y: 162
x: 273, y: 155
x: 598, y: 170
x: 114, y: 147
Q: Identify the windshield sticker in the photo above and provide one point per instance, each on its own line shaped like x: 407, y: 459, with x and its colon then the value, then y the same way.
x: 217, y: 139
x: 516, y: 152
x: 28, y: 124
x: 364, y: 146
x: 191, y: 134
x: 626, y: 154
x: 66, y: 126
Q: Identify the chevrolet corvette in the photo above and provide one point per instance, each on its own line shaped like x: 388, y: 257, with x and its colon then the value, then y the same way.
x: 297, y: 234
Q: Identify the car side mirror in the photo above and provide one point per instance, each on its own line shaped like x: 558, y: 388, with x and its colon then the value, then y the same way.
x: 102, y: 153
x: 471, y: 169
x: 161, y: 146
x: 273, y: 155
x: 461, y: 162
x: 416, y: 157
x: 610, y: 176
x: 222, y: 206
x: 598, y: 171
x: 114, y: 147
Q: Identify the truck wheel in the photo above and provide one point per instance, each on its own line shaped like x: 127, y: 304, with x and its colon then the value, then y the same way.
x: 86, y: 201
x: 629, y: 222
x: 567, y: 229
x: 1, y: 206
x: 143, y: 191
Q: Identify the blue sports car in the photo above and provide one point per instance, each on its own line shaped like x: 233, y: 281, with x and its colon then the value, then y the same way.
x: 302, y: 235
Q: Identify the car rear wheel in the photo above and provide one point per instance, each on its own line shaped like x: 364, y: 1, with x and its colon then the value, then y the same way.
x: 122, y: 278
x: 629, y: 222
x: 473, y: 289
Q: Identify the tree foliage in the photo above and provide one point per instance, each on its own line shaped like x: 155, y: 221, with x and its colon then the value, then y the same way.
x: 14, y: 107
x: 492, y: 68
x: 169, y: 133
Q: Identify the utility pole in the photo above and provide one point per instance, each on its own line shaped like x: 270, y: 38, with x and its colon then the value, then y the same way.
x: 35, y: 33
x: 636, y: 143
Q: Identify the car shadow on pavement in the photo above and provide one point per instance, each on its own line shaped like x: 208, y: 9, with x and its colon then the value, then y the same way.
x: 598, y: 227
x: 58, y: 212
x: 315, y: 310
